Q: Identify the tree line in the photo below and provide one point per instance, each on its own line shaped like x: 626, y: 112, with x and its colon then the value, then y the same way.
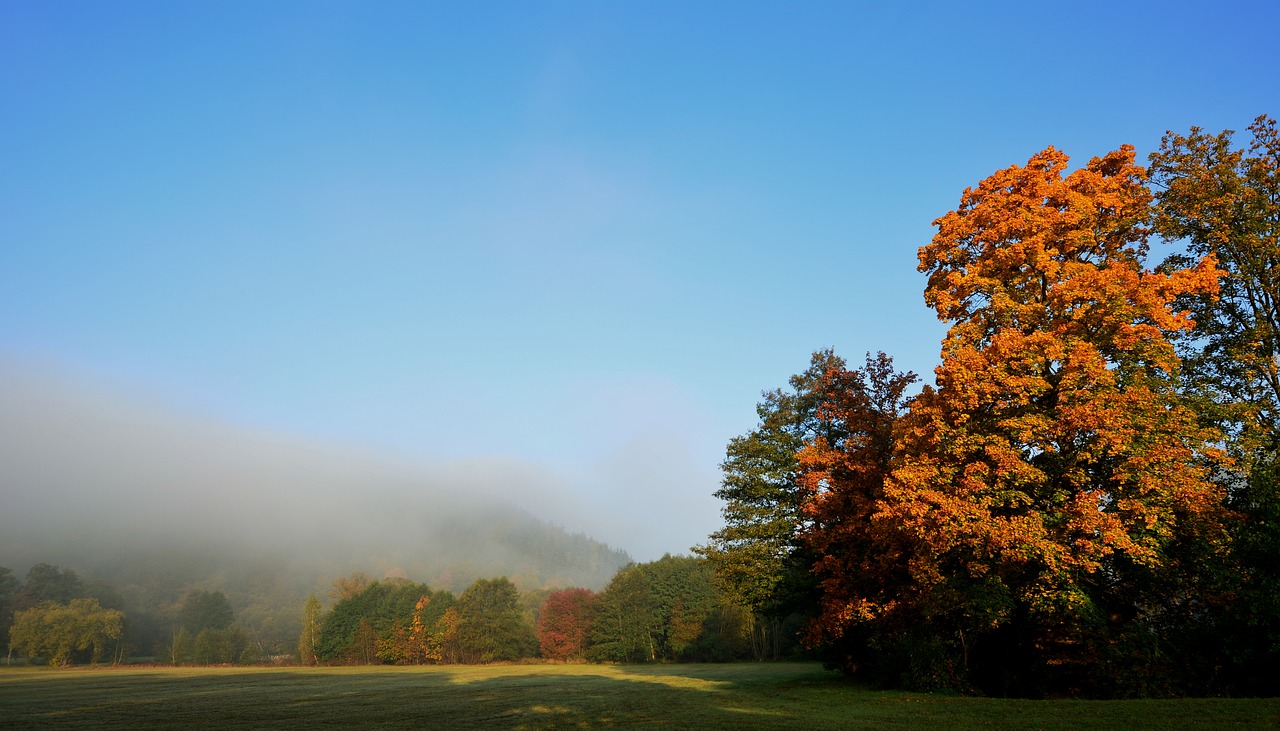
x: 666, y: 610
x: 1085, y: 501
x: 671, y: 609
x: 149, y: 579
x: 60, y: 619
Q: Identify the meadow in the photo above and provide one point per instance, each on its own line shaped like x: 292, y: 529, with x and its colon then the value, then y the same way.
x: 780, y: 695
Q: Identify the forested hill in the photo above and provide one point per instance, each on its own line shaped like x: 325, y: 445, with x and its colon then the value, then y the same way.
x: 156, y: 504
x: 266, y: 587
x: 510, y: 542
x: 91, y: 471
x: 447, y: 551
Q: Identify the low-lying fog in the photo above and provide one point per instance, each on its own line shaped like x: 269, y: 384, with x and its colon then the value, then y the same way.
x: 102, y: 468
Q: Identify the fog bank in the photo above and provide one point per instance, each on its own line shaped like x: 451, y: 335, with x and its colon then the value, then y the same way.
x: 94, y: 465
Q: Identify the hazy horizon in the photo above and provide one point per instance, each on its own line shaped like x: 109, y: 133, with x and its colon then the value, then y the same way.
x: 108, y: 465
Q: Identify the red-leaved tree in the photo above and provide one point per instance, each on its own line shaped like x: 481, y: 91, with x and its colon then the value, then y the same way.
x: 859, y: 560
x: 564, y: 623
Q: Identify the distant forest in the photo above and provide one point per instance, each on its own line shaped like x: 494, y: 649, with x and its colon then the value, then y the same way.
x: 1085, y: 502
x: 264, y: 592
x: 671, y: 609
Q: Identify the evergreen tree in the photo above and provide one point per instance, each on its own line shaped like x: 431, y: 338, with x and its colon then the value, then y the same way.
x: 758, y: 554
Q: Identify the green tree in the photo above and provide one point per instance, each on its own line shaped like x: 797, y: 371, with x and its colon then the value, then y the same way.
x: 1219, y: 200
x: 218, y: 646
x: 203, y: 610
x: 364, y: 642
x: 310, y: 631
x: 204, y: 648
x: 49, y: 583
x: 375, y: 624
x: 179, y: 649
x: 9, y: 586
x: 684, y: 596
x: 626, y: 619
x: 669, y: 609
x: 491, y: 623
x: 757, y: 554
x: 338, y: 632
x: 57, y: 631
x: 1216, y: 199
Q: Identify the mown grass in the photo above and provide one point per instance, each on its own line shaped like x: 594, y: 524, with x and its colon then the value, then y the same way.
x: 799, y: 696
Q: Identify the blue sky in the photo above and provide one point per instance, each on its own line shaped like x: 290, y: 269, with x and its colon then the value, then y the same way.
x: 575, y: 237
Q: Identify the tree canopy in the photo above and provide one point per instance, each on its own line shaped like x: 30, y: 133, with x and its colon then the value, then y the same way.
x: 56, y: 631
x: 491, y: 624
x: 203, y: 610
x: 1221, y: 201
x: 1056, y: 457
x: 1084, y: 501
x: 564, y: 623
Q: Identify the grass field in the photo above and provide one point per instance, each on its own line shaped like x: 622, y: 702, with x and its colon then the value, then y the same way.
x: 800, y: 696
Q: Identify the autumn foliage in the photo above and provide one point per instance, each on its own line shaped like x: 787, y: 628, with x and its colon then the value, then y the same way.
x: 841, y: 476
x: 1056, y: 456
x: 1065, y: 510
x: 564, y: 623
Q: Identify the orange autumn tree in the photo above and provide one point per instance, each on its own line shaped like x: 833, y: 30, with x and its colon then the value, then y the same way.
x: 1055, y: 464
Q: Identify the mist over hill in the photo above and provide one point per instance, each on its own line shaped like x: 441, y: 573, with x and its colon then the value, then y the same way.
x: 158, y: 503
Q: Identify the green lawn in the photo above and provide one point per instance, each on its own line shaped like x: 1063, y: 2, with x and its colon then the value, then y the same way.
x: 800, y: 696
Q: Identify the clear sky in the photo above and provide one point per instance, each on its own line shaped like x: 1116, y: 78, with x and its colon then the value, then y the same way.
x: 574, y: 237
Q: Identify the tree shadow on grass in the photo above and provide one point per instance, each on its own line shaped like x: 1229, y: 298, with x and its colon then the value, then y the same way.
x: 517, y: 697
x: 782, y: 696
